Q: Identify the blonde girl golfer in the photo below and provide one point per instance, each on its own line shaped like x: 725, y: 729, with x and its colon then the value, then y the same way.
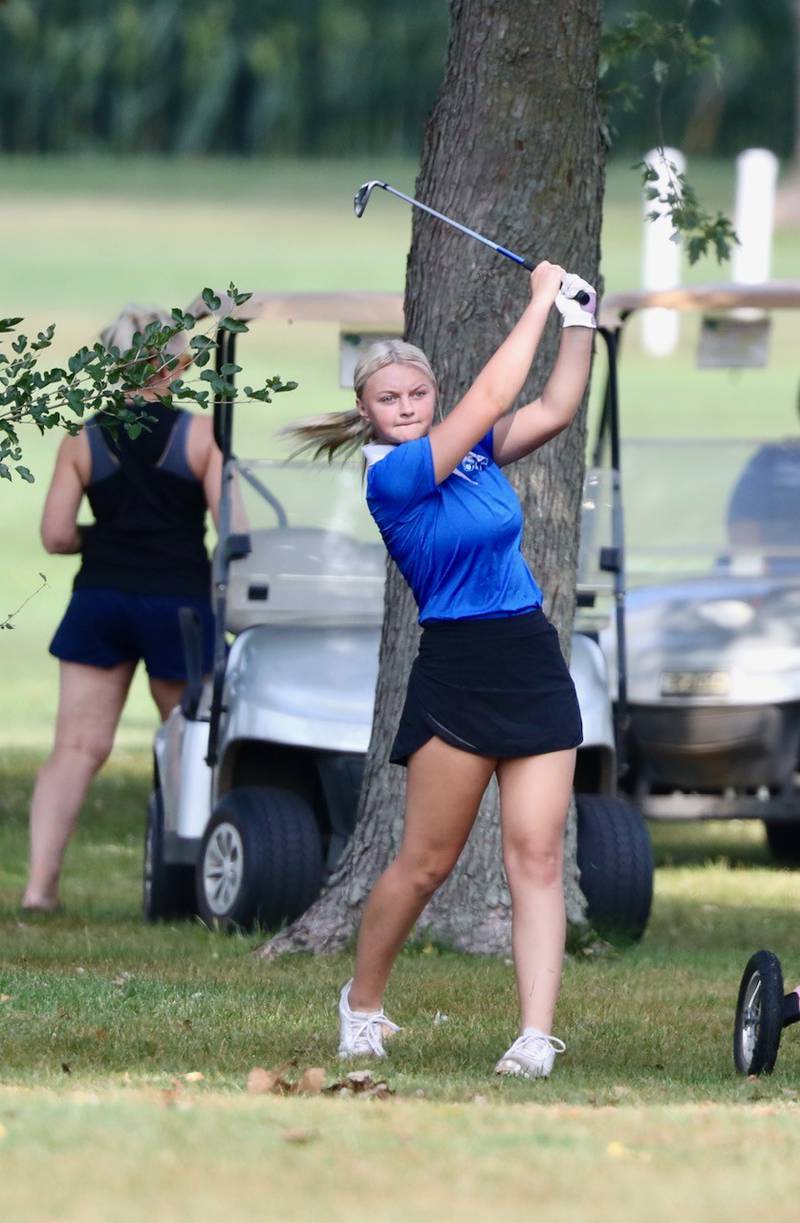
x: 489, y: 692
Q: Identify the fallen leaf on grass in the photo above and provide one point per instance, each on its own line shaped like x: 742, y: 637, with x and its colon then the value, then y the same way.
x: 299, y: 1136
x: 261, y: 1082
x: 361, y: 1083
x: 121, y: 978
x: 194, y: 1076
x: 312, y: 1081
x: 5, y: 997
x: 100, y: 1033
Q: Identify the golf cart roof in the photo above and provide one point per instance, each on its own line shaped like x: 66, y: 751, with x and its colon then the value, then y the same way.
x: 367, y: 309
x: 771, y: 295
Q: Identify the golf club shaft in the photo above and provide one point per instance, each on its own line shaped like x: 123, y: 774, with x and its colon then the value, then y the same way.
x: 580, y: 297
x: 464, y: 229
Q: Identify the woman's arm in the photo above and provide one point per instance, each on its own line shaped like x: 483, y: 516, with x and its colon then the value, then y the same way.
x: 525, y: 430
x: 500, y: 381
x: 60, y: 532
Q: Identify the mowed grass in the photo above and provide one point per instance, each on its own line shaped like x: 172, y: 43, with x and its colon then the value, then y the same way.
x: 80, y: 237
x: 103, y: 1018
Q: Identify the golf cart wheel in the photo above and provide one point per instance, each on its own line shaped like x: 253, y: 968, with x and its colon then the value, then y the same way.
x: 261, y: 860
x: 167, y: 889
x: 759, y: 1015
x: 783, y: 838
x: 615, y: 860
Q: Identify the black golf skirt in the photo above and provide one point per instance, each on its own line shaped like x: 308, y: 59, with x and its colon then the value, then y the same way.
x: 496, y: 688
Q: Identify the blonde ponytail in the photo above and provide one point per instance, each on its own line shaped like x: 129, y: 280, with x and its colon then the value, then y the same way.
x: 349, y: 431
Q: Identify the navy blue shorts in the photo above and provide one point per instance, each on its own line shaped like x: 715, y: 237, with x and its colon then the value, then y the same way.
x: 102, y: 628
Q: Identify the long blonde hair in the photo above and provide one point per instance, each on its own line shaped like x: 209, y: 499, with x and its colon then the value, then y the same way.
x: 349, y: 431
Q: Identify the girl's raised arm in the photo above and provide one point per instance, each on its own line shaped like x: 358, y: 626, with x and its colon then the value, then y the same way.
x: 501, y: 379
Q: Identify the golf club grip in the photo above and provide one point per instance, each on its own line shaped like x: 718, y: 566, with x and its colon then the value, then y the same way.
x: 580, y: 297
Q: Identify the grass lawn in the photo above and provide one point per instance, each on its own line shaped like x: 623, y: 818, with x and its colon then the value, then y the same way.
x: 102, y: 1019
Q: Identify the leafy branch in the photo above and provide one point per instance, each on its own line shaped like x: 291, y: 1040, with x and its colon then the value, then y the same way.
x: 9, y: 620
x: 112, y: 382
x: 667, y: 48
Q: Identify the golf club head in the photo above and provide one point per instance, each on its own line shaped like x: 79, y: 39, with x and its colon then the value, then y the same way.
x: 361, y: 198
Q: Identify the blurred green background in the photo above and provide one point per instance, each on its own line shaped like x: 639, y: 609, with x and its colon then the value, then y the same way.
x: 148, y: 150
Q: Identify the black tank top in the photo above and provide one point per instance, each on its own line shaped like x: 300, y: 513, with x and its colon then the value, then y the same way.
x: 149, y: 508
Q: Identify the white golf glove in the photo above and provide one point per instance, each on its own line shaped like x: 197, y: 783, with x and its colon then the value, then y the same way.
x: 573, y: 314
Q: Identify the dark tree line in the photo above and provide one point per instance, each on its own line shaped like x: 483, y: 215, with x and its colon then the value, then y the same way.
x: 299, y: 77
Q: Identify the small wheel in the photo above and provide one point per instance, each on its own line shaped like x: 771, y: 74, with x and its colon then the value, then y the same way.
x: 759, y: 1015
x: 261, y: 860
x: 167, y: 889
x: 615, y: 860
x: 783, y: 838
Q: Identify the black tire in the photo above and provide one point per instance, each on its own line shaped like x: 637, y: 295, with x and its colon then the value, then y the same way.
x: 167, y: 889
x: 268, y: 843
x: 783, y: 838
x: 759, y: 1015
x: 615, y: 860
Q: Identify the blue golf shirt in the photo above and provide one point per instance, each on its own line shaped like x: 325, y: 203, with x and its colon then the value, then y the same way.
x: 458, y: 543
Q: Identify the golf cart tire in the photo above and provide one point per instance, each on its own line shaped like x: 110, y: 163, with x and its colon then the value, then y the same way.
x: 783, y: 838
x: 167, y: 889
x: 272, y: 845
x: 615, y: 860
x: 757, y: 1037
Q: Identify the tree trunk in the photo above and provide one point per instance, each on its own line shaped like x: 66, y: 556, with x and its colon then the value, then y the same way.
x: 514, y: 149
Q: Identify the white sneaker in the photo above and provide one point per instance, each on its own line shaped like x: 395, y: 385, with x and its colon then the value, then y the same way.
x: 531, y: 1055
x: 361, y: 1033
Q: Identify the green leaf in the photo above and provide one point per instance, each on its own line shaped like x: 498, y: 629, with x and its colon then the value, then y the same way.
x: 232, y: 324
x: 5, y: 474
x: 286, y: 386
x: 229, y: 368
x: 211, y: 300
x: 25, y: 474
x: 8, y: 324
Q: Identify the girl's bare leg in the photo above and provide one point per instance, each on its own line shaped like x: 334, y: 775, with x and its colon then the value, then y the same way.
x: 443, y: 792
x: 534, y: 799
x: 90, y: 702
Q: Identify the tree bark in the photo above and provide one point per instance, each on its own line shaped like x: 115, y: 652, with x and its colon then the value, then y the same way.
x: 514, y: 149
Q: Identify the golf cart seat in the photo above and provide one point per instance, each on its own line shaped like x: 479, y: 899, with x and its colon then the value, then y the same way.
x: 306, y: 576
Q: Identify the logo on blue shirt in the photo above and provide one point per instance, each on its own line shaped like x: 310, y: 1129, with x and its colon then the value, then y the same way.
x: 473, y: 463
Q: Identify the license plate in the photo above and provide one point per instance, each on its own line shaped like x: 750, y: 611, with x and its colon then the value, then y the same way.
x: 695, y: 683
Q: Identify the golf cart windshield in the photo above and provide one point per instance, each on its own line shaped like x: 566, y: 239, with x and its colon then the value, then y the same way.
x: 711, y: 507
x: 315, y: 553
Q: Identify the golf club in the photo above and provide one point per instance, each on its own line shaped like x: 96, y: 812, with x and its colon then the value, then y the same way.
x: 361, y: 199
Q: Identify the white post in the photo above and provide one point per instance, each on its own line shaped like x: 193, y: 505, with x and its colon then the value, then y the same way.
x: 756, y: 175
x: 661, y: 256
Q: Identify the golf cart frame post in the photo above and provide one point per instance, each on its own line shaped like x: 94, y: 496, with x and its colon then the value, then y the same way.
x: 615, y: 311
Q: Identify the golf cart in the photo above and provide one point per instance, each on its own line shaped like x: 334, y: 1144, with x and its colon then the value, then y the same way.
x: 709, y: 710
x: 257, y: 776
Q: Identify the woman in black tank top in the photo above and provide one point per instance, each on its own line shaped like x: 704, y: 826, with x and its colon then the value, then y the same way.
x: 142, y: 558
